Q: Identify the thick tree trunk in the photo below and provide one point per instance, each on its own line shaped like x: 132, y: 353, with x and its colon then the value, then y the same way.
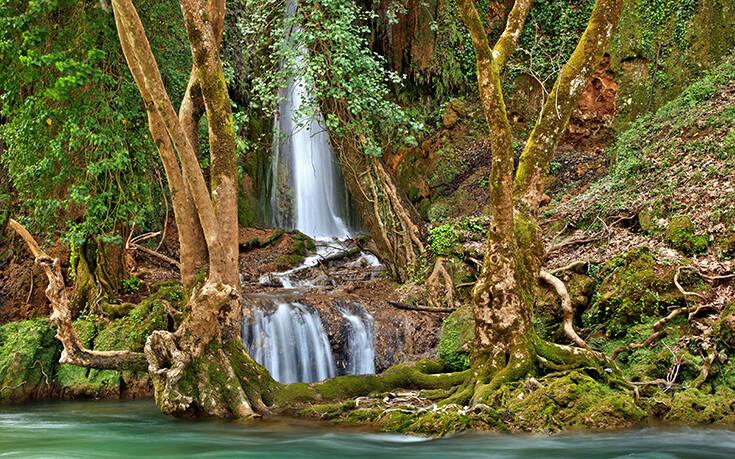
x: 201, y: 369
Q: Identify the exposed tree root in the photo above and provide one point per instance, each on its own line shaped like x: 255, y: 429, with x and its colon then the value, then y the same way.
x: 537, y: 356
x: 440, y: 286
x: 566, y: 306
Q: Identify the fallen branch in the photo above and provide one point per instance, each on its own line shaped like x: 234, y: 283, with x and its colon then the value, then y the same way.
x: 566, y: 306
x: 74, y: 351
x: 409, y: 307
x: 154, y: 254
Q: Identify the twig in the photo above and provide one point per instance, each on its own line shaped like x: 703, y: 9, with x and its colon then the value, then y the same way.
x: 30, y: 290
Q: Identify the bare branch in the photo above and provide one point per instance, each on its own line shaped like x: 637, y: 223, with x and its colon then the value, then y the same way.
x: 74, y: 351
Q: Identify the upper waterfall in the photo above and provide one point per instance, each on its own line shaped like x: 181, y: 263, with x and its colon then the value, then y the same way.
x: 307, y: 190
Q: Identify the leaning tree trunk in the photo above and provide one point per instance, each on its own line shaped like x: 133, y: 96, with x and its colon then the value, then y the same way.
x: 394, y: 224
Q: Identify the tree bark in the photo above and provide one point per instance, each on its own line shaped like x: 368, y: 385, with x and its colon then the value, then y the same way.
x: 395, y: 226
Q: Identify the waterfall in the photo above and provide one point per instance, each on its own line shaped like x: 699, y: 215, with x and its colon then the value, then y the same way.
x: 360, y: 342
x: 290, y: 342
x: 307, y: 190
x: 307, y: 193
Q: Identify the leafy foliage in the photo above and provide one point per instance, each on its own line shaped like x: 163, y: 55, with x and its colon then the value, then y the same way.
x: 75, y: 131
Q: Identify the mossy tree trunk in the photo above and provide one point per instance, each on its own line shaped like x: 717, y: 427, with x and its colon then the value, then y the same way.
x: 201, y: 368
x: 507, y: 347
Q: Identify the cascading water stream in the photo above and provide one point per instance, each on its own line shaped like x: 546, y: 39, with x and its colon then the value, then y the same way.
x: 291, y: 343
x: 307, y: 193
x: 360, y: 343
x: 307, y: 190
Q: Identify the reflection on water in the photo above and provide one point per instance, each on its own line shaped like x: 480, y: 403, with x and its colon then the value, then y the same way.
x: 105, y: 429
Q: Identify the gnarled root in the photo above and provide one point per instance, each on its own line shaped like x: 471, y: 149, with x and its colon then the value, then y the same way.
x: 528, y: 359
x: 199, y: 370
x: 566, y: 306
x: 222, y: 382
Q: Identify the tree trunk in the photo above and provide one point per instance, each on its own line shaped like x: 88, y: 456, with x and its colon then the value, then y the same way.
x: 201, y: 369
x: 507, y: 347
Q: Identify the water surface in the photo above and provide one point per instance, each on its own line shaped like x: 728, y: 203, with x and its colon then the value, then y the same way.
x: 137, y: 429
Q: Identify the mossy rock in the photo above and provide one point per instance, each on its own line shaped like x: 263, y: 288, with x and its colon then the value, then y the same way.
x: 456, y: 339
x: 680, y: 234
x: 695, y: 407
x: 725, y: 328
x: 28, y: 355
x: 632, y: 287
x: 302, y: 244
x: 569, y: 401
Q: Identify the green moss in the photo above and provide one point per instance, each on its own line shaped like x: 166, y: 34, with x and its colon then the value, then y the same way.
x: 131, y: 331
x: 126, y: 333
x: 569, y: 401
x: 725, y: 327
x: 28, y: 355
x: 681, y: 235
x: 456, y: 338
x: 695, y: 407
x: 424, y: 374
x: 632, y: 287
x: 288, y: 261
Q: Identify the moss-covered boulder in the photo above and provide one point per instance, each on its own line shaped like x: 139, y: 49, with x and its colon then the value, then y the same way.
x: 632, y: 287
x: 569, y: 401
x: 725, y: 328
x: 680, y: 233
x: 456, y: 338
x: 696, y: 407
x: 28, y: 355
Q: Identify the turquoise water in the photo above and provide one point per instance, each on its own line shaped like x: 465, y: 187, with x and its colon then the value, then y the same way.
x: 137, y: 429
